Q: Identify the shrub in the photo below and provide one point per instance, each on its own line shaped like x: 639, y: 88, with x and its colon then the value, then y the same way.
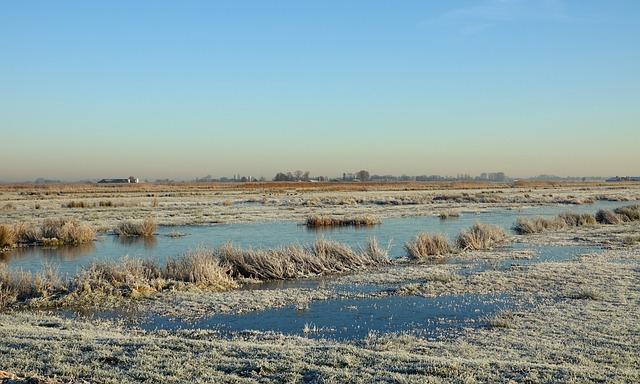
x: 480, y: 236
x: 426, y: 245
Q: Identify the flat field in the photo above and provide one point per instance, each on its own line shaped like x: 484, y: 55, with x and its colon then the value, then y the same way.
x: 558, y: 305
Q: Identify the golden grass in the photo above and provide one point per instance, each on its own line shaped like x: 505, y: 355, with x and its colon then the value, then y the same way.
x: 7, y: 236
x: 318, y: 221
x: 448, y: 214
x: 427, y: 246
x: 50, y: 232
x: 525, y: 226
x: 200, y: 267
x: 480, y: 237
x: 628, y: 213
x: 144, y: 228
x: 320, y: 258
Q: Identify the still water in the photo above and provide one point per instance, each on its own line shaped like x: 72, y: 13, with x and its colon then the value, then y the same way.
x: 392, y: 233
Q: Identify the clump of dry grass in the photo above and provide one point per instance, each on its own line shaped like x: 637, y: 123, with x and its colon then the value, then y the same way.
x: 67, y: 231
x: 577, y: 219
x: 20, y: 286
x: 480, y: 236
x: 76, y: 204
x: 200, y: 267
x: 318, y: 221
x: 427, y: 246
x: 628, y: 213
x: 320, y: 258
x: 448, y: 214
x: 525, y: 226
x: 50, y: 232
x: 127, y: 277
x: 537, y: 225
x: 605, y: 216
x: 27, y: 233
x: 135, y: 277
x: 7, y: 236
x: 144, y: 228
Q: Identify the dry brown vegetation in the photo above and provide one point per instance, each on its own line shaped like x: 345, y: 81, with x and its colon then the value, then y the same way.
x: 480, y: 237
x: 203, y: 269
x: 524, y: 226
x: 619, y: 215
x: 125, y: 278
x: 628, y: 213
x: 318, y: 221
x: 427, y: 246
x: 51, y: 232
x: 448, y: 214
x: 84, y: 204
x: 294, y: 261
x: 144, y: 228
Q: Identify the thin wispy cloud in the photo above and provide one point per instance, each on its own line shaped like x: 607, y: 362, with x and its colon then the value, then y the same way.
x: 487, y: 14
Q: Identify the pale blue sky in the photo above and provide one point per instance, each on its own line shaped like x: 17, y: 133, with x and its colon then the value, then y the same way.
x: 188, y: 88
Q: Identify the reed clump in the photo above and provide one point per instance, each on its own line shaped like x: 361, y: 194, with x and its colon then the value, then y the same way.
x: 7, y: 236
x: 132, y: 228
x: 628, y: 213
x: 428, y: 246
x: 524, y: 226
x: 200, y: 267
x: 480, y: 237
x: 20, y: 286
x: 50, y: 232
x: 448, y: 214
x: 295, y: 261
x: 319, y: 221
x: 605, y: 216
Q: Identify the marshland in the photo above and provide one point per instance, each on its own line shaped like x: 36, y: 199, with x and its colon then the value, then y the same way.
x: 271, y: 286
x: 319, y: 191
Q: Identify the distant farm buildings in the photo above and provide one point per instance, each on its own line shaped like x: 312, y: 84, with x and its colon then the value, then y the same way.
x: 130, y: 180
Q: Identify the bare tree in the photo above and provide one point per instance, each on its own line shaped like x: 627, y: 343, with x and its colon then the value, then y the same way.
x: 362, y: 175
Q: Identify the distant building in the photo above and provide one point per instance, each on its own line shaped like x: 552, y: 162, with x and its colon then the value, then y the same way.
x: 624, y: 178
x: 130, y: 180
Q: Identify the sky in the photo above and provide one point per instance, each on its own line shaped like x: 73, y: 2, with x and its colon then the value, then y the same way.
x: 180, y: 89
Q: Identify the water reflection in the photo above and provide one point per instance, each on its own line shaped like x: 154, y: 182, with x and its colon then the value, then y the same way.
x: 391, y: 234
x: 148, y: 242
x: 62, y: 253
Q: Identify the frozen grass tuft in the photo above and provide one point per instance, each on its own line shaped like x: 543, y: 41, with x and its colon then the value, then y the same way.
x: 200, y: 267
x: 50, y: 232
x: 427, y: 246
x: 144, y: 228
x: 448, y: 214
x: 7, y: 236
x: 480, y: 237
x: 320, y: 258
x: 318, y: 221
x: 525, y: 226
x: 628, y: 213
x: 604, y: 216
